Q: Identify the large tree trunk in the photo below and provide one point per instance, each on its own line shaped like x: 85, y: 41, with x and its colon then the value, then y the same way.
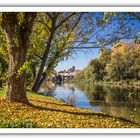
x: 18, y: 32
x: 16, y: 82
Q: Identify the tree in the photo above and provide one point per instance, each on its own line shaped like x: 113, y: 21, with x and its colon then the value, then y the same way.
x: 60, y: 34
x: 18, y: 28
x: 121, y: 62
x: 60, y: 27
x: 124, y: 63
x: 3, y: 67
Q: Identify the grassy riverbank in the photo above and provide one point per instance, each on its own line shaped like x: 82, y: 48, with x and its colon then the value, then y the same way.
x: 48, y: 112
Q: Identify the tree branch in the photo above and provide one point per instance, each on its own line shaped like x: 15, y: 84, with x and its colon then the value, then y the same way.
x: 38, y: 56
x: 43, y: 24
x: 86, y: 47
x: 65, y: 20
x: 49, y: 15
x: 134, y: 15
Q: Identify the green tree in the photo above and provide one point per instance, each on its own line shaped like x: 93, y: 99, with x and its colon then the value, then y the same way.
x: 18, y: 28
x: 42, y: 40
x: 58, y: 43
x: 124, y: 63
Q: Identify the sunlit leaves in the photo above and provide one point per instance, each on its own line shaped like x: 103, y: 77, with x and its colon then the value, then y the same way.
x: 48, y: 112
x: 121, y: 62
x: 20, y: 17
x: 24, y: 67
x: 124, y: 62
x: 3, y: 45
x: 3, y: 55
x: 107, y: 15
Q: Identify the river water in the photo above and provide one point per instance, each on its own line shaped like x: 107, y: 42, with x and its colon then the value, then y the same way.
x: 114, y: 101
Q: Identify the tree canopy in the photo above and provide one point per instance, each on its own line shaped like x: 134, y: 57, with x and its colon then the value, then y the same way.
x: 32, y: 44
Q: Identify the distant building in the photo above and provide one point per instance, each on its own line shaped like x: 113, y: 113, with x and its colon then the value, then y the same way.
x: 137, y: 42
x: 69, y: 73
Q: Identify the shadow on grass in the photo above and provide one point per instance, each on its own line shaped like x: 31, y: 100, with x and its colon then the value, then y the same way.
x: 51, y: 103
x: 99, y: 115
x: 64, y: 111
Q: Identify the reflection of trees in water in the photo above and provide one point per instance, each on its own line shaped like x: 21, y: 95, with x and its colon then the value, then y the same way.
x: 71, y: 98
x: 48, y: 89
x: 115, y: 94
x: 114, y: 100
x: 111, y: 100
x: 109, y: 94
x: 48, y: 85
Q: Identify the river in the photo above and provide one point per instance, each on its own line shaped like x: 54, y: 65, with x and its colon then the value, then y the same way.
x: 114, y: 101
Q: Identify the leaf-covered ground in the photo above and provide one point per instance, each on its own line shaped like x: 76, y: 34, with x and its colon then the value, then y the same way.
x: 48, y: 112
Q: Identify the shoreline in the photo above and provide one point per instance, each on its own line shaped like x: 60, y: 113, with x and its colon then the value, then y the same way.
x: 100, y: 113
x: 59, y: 114
x: 121, y: 84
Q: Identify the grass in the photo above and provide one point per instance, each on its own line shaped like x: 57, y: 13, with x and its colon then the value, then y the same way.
x: 2, y: 91
x: 47, y: 112
x: 17, y: 124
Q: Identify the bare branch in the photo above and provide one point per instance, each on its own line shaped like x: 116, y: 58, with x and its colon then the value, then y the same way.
x: 78, y: 20
x: 86, y: 47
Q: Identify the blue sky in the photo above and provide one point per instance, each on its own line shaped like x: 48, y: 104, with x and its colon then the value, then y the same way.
x: 81, y: 59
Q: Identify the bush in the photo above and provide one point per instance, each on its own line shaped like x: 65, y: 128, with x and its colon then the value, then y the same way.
x: 18, y: 124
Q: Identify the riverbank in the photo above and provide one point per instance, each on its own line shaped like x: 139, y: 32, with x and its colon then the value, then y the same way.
x: 123, y: 83
x: 48, y: 112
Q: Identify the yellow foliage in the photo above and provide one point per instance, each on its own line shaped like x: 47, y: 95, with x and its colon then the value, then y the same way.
x: 119, y: 49
x: 20, y: 17
x: 48, y: 112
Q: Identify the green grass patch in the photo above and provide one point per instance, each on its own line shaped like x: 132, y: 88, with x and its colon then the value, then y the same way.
x: 2, y: 91
x: 17, y: 124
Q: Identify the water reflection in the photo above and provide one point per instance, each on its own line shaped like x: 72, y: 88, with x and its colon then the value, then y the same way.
x: 114, y: 100
x: 48, y: 89
x: 71, y: 97
x: 111, y: 100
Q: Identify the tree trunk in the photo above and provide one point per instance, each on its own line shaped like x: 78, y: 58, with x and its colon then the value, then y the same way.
x: 44, y: 75
x: 36, y: 83
x: 17, y: 34
x: 16, y: 82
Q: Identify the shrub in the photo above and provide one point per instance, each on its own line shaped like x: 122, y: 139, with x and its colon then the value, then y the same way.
x: 18, y: 124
